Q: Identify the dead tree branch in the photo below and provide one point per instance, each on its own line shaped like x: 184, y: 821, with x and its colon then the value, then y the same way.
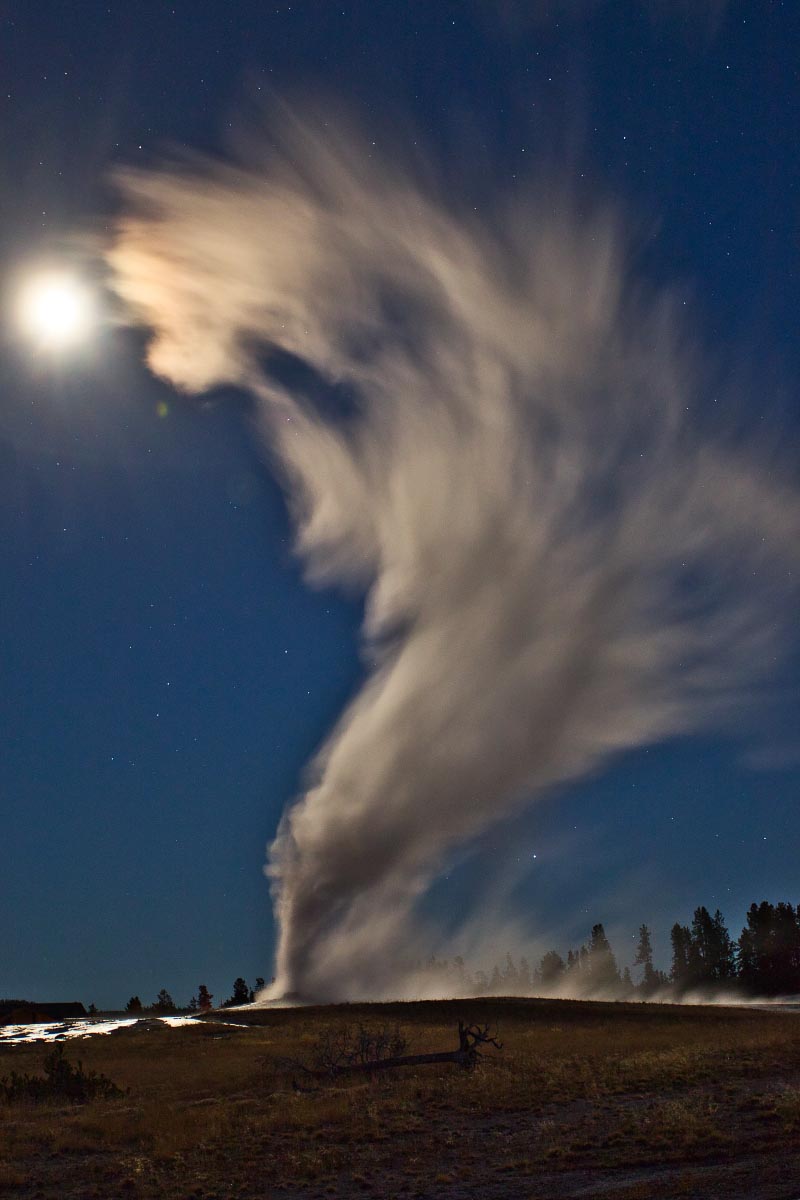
x: 345, y: 1053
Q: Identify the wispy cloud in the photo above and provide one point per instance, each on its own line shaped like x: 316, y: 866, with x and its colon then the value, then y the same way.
x: 559, y: 563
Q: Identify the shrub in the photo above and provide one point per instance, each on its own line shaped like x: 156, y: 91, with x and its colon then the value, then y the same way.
x: 62, y: 1080
x: 336, y: 1048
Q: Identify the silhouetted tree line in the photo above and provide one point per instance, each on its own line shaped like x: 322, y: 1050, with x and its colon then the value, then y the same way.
x: 164, y: 1005
x: 590, y: 969
x: 765, y: 961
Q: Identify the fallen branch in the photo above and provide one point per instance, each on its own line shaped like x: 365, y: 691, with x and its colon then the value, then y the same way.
x: 470, y: 1039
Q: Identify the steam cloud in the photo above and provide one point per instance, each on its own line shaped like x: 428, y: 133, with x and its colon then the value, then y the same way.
x: 561, y: 560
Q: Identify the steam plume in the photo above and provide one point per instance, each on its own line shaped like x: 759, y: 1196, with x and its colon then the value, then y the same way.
x: 559, y: 562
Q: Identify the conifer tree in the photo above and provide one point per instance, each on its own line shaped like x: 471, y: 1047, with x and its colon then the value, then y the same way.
x: 644, y: 959
x: 603, y: 970
x: 551, y: 969
x: 681, y: 939
x: 769, y: 949
x: 724, y: 950
x: 510, y: 976
x: 241, y: 994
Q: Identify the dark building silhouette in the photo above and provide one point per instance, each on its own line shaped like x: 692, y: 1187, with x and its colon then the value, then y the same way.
x: 20, y: 1012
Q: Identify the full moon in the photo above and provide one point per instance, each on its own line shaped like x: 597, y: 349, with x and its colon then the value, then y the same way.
x: 55, y: 310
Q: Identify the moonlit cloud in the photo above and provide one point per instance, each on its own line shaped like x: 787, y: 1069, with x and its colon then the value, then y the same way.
x: 560, y: 560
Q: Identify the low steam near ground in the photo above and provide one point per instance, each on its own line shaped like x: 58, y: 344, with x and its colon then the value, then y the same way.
x: 561, y: 559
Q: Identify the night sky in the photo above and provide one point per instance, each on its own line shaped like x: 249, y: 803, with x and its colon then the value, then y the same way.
x: 165, y: 672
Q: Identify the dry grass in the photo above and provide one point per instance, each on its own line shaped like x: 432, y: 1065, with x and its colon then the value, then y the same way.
x: 787, y: 1107
x: 578, y: 1087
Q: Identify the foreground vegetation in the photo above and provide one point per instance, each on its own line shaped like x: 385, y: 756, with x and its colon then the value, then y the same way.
x: 613, y: 1100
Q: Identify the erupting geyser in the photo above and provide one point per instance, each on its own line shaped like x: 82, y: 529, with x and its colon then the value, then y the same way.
x: 560, y: 561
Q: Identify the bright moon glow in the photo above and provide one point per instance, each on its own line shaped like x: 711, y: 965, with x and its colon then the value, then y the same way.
x: 55, y: 310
